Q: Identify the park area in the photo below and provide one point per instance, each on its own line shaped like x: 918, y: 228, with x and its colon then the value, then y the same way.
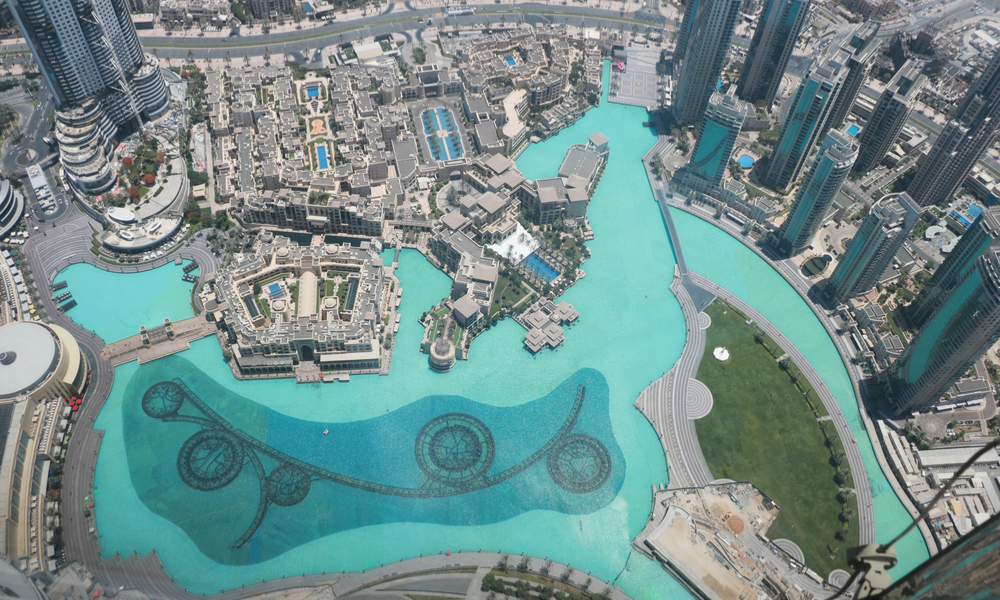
x: 764, y: 428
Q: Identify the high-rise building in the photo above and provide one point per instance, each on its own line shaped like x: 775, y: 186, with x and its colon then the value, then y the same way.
x: 819, y: 188
x: 773, y: 41
x: 704, y: 57
x: 861, y: 48
x: 983, y: 234
x: 874, y: 245
x: 956, y: 335
x: 889, y: 116
x: 684, y: 32
x: 717, y: 135
x: 806, y: 118
x: 972, y: 129
x: 90, y: 58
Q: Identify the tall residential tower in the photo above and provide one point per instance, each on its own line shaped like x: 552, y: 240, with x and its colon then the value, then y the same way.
x: 861, y: 47
x: 716, y: 139
x: 876, y: 243
x: 819, y: 188
x: 983, y: 234
x: 810, y: 110
x: 962, y: 142
x: 889, y: 116
x: 92, y: 61
x: 773, y: 41
x: 711, y: 30
x: 956, y: 335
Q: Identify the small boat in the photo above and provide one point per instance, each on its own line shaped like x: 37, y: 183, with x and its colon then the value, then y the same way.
x: 326, y: 432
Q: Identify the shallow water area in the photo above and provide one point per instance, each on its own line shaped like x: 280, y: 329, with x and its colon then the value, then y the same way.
x: 115, y: 305
x: 630, y: 332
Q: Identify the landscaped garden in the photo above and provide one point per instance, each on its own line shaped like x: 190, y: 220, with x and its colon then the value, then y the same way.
x: 764, y: 428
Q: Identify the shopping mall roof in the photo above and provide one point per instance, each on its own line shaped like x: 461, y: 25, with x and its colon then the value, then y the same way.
x: 28, y: 354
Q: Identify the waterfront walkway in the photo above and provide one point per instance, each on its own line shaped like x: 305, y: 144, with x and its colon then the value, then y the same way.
x: 132, y: 347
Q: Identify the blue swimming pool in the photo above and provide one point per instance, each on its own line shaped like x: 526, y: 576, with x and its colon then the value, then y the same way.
x: 447, y: 147
x: 544, y: 269
x: 853, y: 130
x: 745, y: 161
x: 510, y: 60
x: 321, y: 155
x: 312, y: 91
x: 974, y: 211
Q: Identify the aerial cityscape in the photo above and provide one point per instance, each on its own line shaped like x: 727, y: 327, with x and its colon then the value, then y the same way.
x: 436, y: 300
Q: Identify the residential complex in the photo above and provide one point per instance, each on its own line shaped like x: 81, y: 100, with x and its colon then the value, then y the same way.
x: 774, y: 38
x: 102, y: 82
x: 860, y: 47
x: 711, y: 27
x: 287, y: 305
x: 819, y: 187
x: 889, y: 116
x: 879, y: 238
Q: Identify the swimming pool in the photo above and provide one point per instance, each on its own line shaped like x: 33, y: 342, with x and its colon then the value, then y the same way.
x: 446, y: 147
x: 510, y: 60
x: 745, y: 161
x: 544, y: 269
x: 321, y: 156
x: 312, y: 91
x: 853, y: 130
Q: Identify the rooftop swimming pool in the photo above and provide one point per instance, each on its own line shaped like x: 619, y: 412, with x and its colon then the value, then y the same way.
x: 206, y: 520
x: 746, y: 161
x: 853, y: 130
x: 321, y: 157
x: 510, y: 60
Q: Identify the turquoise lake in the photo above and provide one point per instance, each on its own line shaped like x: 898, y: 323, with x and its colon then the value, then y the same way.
x: 631, y: 332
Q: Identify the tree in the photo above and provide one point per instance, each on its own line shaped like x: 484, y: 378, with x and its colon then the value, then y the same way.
x: 228, y: 58
x: 246, y: 59
x: 784, y: 364
x: 844, y: 495
x: 133, y: 192
x: 592, y: 98
x: 846, y: 515
x: 832, y: 439
x: 149, y: 179
x: 843, y: 476
x: 758, y: 336
x: 843, y: 533
x: 837, y: 458
x: 267, y: 54
x: 523, y: 565
x: 190, y: 56
x: 227, y: 355
x: 504, y: 563
x: 566, y: 575
x: 546, y: 567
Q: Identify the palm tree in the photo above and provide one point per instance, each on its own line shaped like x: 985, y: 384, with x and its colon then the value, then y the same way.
x: 844, y: 495
x: 246, y: 59
x: 846, y: 515
x: 190, y: 56
x: 832, y: 439
x: 843, y: 533
x: 784, y: 363
x: 267, y: 54
x: 843, y: 476
x: 503, y: 563
x: 838, y: 458
x: 228, y: 58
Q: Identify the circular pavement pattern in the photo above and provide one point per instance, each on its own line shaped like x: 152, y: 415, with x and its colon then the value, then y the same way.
x: 455, y: 449
x: 838, y: 577
x: 792, y: 549
x: 699, y: 400
x: 579, y: 464
x: 210, y: 460
x: 704, y: 321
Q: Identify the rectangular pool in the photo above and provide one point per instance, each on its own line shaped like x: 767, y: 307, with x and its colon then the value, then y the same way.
x: 312, y: 91
x: 542, y: 268
x: 853, y: 130
x: 510, y: 60
x: 321, y: 155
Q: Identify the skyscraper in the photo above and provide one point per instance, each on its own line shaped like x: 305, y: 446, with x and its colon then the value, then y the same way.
x: 806, y: 118
x: 707, y: 44
x: 773, y: 41
x: 889, y: 116
x: 861, y: 47
x: 92, y: 61
x: 874, y: 245
x: 684, y: 33
x: 819, y: 188
x: 961, y: 330
x: 983, y: 234
x: 717, y: 135
x: 965, y: 138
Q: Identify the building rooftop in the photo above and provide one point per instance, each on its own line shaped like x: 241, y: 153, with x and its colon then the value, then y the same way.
x: 28, y: 353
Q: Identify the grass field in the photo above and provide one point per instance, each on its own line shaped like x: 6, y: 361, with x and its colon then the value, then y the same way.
x: 763, y: 430
x: 507, y: 294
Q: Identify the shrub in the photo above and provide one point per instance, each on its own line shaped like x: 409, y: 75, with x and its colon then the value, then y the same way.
x: 149, y: 179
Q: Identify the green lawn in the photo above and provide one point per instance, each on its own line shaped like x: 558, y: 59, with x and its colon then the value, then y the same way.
x: 894, y: 326
x: 265, y: 308
x: 506, y: 294
x: 762, y: 430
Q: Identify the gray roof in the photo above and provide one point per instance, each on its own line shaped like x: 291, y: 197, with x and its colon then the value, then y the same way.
x: 30, y: 349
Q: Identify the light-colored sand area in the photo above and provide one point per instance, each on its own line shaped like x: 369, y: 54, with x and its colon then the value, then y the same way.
x: 318, y: 127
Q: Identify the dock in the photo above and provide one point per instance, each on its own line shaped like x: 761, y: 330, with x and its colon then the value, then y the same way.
x: 157, y: 342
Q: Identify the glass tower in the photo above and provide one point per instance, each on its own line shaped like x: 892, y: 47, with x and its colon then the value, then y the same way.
x: 819, y: 188
x: 983, y: 234
x: 711, y: 30
x: 955, y: 336
x: 871, y: 251
x: 716, y: 140
x: 889, y: 116
x: 773, y: 41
